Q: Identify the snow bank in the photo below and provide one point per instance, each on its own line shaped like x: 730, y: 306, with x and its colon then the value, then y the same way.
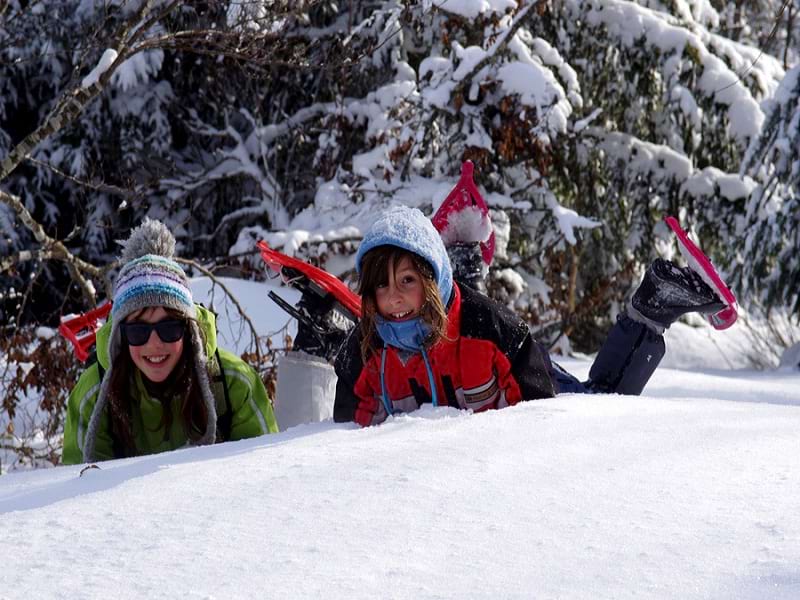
x: 677, y: 495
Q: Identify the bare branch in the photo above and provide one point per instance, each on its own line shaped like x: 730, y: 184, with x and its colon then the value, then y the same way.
x: 54, y: 249
x: 97, y: 187
x: 24, y: 256
x: 242, y: 312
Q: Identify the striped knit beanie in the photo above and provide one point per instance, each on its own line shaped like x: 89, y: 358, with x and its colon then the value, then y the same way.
x: 150, y: 277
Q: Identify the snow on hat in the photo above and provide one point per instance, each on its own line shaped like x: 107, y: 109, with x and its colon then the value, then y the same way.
x: 409, y: 229
x: 150, y: 277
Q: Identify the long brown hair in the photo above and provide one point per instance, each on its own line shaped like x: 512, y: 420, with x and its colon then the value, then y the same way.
x: 182, y: 382
x: 374, y: 272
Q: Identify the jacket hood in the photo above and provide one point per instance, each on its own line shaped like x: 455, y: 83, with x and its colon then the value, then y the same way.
x: 409, y: 229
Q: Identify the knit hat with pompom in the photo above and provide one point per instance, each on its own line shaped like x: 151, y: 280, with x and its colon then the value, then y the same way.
x: 150, y: 277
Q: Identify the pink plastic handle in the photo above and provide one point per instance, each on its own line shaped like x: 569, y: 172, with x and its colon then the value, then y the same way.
x: 700, y: 263
x: 465, y: 193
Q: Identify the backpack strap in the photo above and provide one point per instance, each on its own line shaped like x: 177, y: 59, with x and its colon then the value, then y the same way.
x: 219, y: 387
x: 92, y: 359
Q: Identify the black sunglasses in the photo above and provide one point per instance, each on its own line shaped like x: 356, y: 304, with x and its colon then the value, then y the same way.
x: 137, y: 334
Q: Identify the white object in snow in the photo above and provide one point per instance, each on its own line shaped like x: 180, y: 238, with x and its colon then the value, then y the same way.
x: 306, y: 390
x: 108, y: 58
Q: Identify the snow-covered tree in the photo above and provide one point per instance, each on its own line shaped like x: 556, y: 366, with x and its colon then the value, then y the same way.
x: 575, y: 113
x: 587, y: 120
x: 768, y: 263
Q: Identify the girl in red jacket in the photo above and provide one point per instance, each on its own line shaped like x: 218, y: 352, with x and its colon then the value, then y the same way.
x: 424, y: 339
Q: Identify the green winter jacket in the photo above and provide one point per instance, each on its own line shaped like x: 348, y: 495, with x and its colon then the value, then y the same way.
x: 252, y: 411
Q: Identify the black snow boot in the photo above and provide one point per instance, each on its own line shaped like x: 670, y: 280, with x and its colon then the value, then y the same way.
x: 468, y: 265
x: 669, y: 291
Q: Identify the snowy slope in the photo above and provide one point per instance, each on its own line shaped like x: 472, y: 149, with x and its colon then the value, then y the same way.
x: 689, y: 492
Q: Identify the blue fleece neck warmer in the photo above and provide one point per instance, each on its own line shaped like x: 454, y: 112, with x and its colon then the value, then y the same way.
x: 407, y: 335
x: 409, y: 229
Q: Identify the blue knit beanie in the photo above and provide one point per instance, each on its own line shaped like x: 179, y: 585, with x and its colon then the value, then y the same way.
x: 409, y: 229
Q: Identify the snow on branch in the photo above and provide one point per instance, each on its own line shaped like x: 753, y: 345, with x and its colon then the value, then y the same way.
x: 471, y: 9
x: 474, y: 59
x: 108, y: 58
x: 525, y: 67
x: 643, y: 158
x: 567, y: 219
x: 659, y: 163
x: 631, y: 24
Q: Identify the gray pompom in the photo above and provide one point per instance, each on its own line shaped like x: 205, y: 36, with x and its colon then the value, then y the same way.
x: 151, y: 237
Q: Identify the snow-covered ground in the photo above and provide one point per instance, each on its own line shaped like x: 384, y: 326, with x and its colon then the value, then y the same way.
x: 690, y: 491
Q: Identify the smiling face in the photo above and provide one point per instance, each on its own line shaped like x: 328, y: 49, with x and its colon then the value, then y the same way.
x: 402, y: 296
x: 155, y: 359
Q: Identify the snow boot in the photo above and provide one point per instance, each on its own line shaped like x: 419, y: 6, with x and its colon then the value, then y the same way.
x: 667, y: 292
x: 468, y: 265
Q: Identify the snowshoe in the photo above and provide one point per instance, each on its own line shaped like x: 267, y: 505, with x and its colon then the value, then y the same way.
x: 463, y: 217
x: 327, y: 308
x: 701, y: 264
x: 81, y: 330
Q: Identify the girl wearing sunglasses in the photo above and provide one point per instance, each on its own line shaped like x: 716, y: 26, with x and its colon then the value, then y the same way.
x: 160, y: 382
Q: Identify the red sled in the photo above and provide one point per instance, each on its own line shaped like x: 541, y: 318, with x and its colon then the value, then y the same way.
x: 464, y: 215
x: 81, y: 330
x: 290, y: 268
x: 701, y: 265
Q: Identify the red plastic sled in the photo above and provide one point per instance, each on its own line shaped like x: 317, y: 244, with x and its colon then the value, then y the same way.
x: 279, y: 262
x: 701, y: 264
x: 81, y: 330
x: 465, y: 194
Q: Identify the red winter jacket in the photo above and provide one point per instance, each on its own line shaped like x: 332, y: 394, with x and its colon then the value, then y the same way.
x: 489, y: 360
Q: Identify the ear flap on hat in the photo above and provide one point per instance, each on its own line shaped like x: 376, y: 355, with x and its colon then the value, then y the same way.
x: 114, y: 345
x: 201, y: 368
